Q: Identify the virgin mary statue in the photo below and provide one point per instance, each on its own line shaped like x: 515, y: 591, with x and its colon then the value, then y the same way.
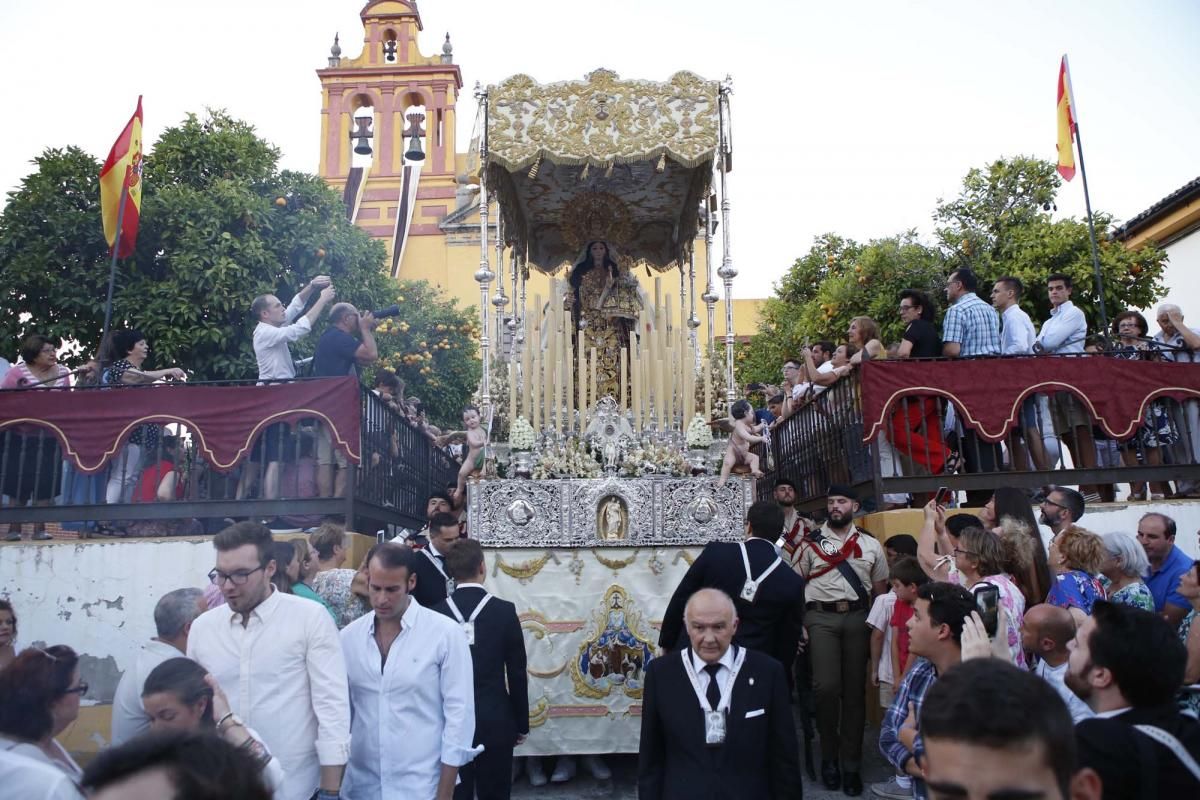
x: 605, y: 303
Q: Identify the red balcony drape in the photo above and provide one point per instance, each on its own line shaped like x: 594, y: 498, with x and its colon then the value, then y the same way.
x: 223, y: 420
x: 988, y: 391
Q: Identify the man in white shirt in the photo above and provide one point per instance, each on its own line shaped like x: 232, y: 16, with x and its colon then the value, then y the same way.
x: 409, y: 749
x: 29, y: 779
x: 1182, y: 345
x: 277, y: 328
x: 1063, y: 334
x: 1046, y: 633
x: 173, y: 616
x: 277, y: 658
x: 1017, y: 336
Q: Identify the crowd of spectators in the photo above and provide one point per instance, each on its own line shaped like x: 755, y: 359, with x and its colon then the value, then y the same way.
x: 155, y: 464
x: 924, y: 436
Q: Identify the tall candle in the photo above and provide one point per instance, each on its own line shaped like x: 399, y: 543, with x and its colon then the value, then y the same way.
x: 624, y: 372
x: 569, y: 364
x: 660, y: 400
x: 581, y: 364
x: 526, y: 377
x: 535, y: 382
x: 512, y: 391
x: 707, y: 388
x: 593, y: 386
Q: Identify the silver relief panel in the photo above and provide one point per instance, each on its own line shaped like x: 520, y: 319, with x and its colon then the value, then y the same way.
x: 607, y: 512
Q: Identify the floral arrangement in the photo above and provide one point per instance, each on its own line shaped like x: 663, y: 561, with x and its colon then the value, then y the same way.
x: 699, y: 435
x: 571, y: 460
x: 521, y: 437
x: 655, y: 459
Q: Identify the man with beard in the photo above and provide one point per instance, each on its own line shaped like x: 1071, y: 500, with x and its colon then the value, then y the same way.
x: 1178, y: 343
x: 794, y: 525
x: 1128, y: 665
x: 438, y: 503
x: 843, y: 567
x: 277, y: 658
x: 1061, y: 508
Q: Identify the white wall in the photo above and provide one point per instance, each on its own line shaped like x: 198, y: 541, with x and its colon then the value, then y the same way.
x: 1182, y: 279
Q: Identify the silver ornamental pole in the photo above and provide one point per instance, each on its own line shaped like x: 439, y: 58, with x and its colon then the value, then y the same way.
x: 511, y: 322
x: 710, y: 296
x: 727, y: 272
x: 484, y: 274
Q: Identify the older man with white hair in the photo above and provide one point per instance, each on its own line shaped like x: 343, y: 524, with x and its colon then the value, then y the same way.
x: 1181, y: 344
x: 716, y: 717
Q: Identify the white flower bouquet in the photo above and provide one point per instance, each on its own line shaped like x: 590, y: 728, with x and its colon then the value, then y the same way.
x: 699, y: 434
x: 521, y: 436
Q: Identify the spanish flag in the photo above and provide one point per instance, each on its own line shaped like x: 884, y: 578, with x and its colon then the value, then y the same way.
x: 123, y: 171
x: 1066, y: 123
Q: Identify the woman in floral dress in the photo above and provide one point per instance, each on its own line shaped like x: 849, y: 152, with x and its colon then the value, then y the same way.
x: 1124, y: 567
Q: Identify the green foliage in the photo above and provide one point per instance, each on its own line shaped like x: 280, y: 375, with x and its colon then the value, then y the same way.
x: 53, y: 251
x: 854, y: 280
x: 219, y: 226
x: 1000, y: 224
x: 433, y: 347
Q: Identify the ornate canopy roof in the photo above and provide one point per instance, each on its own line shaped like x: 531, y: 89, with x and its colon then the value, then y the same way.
x: 602, y: 158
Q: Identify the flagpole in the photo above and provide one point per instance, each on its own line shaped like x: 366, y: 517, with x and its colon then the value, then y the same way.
x: 112, y: 269
x: 1087, y: 199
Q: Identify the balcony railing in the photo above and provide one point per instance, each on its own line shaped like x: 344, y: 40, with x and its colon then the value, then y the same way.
x: 908, y: 427
x: 182, y: 459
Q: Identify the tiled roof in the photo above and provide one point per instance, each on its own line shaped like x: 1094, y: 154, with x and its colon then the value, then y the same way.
x: 1184, y: 194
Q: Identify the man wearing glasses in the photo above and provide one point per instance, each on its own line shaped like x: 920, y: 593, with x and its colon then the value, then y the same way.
x: 1061, y: 508
x: 278, y: 658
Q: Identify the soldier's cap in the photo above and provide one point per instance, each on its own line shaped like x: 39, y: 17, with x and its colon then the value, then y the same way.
x: 841, y: 490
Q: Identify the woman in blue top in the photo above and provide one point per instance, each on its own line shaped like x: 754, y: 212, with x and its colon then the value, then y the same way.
x: 1076, y: 556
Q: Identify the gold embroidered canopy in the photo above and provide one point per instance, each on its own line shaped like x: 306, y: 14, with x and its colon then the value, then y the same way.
x: 602, y: 158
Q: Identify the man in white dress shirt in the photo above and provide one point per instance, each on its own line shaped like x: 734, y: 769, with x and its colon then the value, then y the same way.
x: 1017, y: 336
x: 277, y: 658
x: 277, y: 328
x: 173, y: 616
x: 411, y: 689
x: 1046, y: 633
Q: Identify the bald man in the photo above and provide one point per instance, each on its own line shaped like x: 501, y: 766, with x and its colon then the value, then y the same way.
x: 1045, y: 634
x: 716, y: 718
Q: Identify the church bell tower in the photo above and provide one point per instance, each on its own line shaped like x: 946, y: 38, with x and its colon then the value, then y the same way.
x: 387, y: 128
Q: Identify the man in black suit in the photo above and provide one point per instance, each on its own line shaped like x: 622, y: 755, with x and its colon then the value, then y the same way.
x: 1128, y: 665
x: 716, y: 717
x: 498, y: 655
x: 433, y: 581
x: 768, y: 595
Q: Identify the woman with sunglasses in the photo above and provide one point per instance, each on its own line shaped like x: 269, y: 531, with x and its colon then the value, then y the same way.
x: 39, y: 698
x: 180, y: 695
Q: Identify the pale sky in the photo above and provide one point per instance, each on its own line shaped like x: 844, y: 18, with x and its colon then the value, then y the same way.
x: 852, y: 117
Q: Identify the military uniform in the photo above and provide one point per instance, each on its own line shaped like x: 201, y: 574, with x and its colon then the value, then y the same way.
x: 839, y: 639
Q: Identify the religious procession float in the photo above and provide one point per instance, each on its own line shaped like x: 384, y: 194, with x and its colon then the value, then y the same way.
x: 595, y: 476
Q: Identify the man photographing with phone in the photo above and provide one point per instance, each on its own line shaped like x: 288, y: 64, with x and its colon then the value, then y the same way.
x: 935, y: 634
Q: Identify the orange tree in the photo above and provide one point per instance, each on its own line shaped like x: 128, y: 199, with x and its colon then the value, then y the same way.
x: 432, y: 345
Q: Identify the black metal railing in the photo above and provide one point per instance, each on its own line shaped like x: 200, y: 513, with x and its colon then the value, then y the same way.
x: 925, y: 446
x: 159, y: 483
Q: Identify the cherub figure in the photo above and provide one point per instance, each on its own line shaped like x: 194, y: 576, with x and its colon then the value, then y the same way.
x: 744, y: 434
x: 476, y: 438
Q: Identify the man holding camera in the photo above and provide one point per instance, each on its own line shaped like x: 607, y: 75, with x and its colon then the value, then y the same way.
x: 339, y: 354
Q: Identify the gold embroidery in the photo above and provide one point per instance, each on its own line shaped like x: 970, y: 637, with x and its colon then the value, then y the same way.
x: 616, y: 565
x: 525, y: 571
x: 539, y: 713
x: 554, y: 673
x: 615, y: 652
